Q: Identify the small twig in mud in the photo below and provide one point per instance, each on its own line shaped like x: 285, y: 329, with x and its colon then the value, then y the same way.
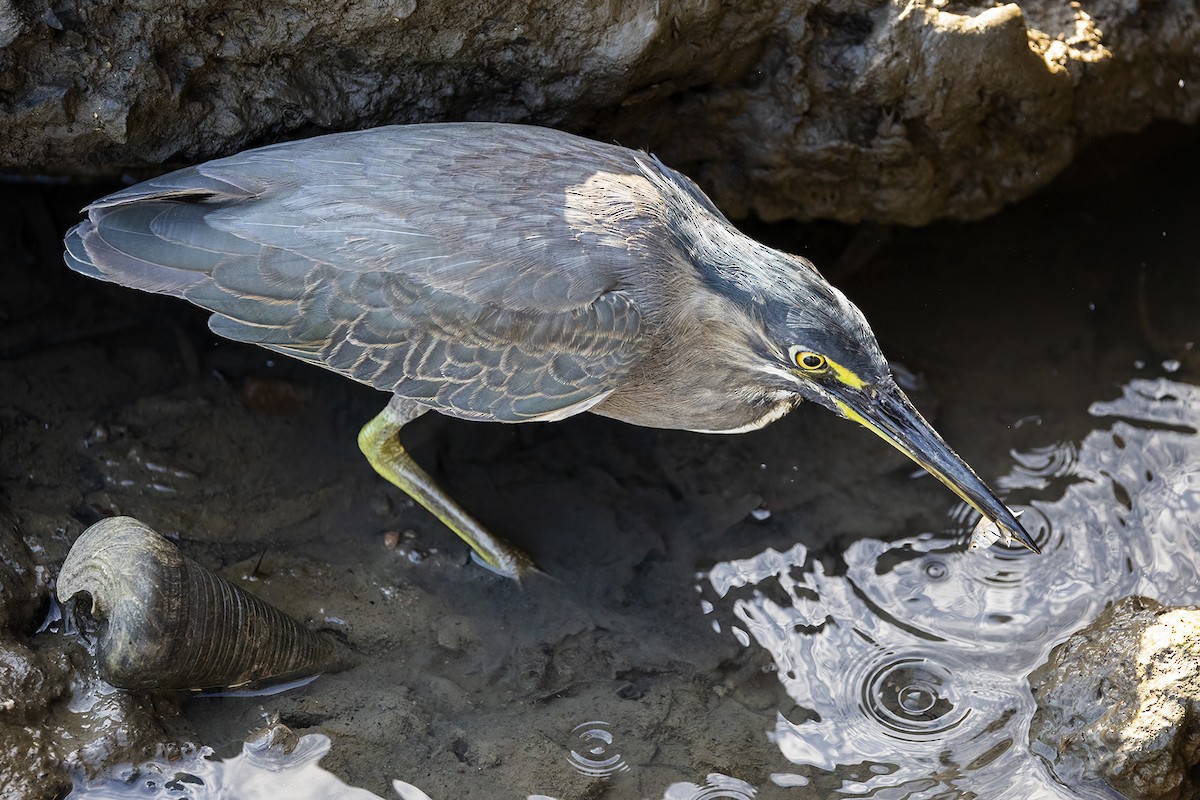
x: 255, y: 573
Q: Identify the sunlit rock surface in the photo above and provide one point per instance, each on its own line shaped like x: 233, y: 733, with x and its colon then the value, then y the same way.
x: 891, y: 111
x: 1118, y: 700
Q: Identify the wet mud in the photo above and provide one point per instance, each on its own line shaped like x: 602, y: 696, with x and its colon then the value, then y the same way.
x: 471, y: 686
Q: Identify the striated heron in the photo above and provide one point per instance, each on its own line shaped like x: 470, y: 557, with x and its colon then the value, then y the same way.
x: 509, y: 273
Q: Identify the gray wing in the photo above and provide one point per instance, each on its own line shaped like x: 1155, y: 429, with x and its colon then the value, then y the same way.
x: 439, y: 262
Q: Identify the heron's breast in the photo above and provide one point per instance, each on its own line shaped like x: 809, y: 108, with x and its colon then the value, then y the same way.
x: 705, y: 408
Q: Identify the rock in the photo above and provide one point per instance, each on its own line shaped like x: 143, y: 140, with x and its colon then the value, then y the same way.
x: 1118, y: 701
x: 58, y: 719
x: 27, y: 765
x: 28, y: 682
x: 23, y: 589
x: 895, y: 112
x: 904, y: 112
x: 10, y: 23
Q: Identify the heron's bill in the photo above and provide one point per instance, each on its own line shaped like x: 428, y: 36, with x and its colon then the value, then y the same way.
x: 892, y: 416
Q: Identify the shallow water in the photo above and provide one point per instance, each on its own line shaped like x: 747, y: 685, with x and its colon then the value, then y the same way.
x: 790, y: 613
x: 906, y: 660
x: 913, y: 653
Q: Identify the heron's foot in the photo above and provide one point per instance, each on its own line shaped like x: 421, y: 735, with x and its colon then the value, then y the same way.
x: 380, y: 443
x: 520, y: 569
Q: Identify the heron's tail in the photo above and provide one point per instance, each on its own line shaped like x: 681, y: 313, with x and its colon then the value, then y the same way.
x: 157, y: 236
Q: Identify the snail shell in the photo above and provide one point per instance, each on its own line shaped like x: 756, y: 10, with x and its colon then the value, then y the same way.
x: 168, y: 623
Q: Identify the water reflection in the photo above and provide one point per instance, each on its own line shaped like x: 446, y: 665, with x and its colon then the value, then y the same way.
x: 273, y: 764
x: 909, y: 659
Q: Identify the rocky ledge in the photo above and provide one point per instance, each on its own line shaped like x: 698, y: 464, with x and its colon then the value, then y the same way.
x: 888, y: 111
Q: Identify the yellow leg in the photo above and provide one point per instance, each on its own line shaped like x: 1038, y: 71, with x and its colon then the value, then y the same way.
x: 380, y: 442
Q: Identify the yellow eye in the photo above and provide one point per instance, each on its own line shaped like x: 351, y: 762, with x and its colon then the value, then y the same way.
x: 810, y: 361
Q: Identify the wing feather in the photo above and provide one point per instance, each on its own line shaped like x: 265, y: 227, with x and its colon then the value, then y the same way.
x: 441, y: 263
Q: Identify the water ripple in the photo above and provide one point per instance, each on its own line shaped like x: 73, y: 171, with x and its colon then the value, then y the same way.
x: 912, y: 698
x: 594, y: 758
x: 909, y: 661
x: 1039, y: 467
x: 716, y: 787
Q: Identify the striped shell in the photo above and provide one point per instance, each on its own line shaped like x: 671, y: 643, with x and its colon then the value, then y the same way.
x: 168, y: 623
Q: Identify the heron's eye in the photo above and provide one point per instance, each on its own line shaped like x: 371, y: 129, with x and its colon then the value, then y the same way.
x: 810, y: 361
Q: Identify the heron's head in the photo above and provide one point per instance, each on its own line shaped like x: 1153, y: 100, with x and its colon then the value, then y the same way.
x: 817, y: 344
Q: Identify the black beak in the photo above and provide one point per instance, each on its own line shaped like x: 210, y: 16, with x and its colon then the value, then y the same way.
x: 891, y: 415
